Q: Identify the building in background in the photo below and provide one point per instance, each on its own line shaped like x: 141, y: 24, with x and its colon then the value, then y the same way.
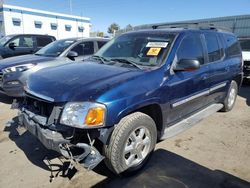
x: 20, y: 20
x: 239, y: 25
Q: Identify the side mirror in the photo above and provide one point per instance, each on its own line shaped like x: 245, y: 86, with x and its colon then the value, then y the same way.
x: 12, y: 45
x: 72, y: 55
x: 187, y: 65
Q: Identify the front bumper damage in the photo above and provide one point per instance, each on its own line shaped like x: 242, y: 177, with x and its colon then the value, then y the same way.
x: 85, y: 154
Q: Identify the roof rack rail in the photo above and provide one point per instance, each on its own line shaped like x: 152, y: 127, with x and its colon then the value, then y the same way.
x: 194, y: 25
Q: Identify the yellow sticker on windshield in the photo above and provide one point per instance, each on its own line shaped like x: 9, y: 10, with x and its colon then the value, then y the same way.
x: 153, y: 51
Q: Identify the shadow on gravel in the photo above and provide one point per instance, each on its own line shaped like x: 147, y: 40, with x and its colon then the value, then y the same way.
x: 166, y: 169
x: 36, y: 152
x: 245, y: 93
x: 5, y: 99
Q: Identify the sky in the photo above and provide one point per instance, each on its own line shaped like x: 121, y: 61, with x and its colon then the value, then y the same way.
x: 124, y: 12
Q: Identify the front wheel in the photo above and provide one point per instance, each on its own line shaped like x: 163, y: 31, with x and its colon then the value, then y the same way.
x: 131, y: 143
x: 230, y: 99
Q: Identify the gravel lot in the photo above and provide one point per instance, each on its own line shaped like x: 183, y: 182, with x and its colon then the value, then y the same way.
x: 214, y: 153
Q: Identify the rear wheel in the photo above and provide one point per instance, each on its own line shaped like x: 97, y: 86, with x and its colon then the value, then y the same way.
x: 131, y: 143
x: 230, y: 99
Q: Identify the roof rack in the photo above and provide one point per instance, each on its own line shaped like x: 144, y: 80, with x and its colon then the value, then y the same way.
x: 194, y: 25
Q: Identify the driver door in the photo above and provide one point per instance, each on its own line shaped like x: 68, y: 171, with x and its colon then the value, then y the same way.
x: 188, y: 89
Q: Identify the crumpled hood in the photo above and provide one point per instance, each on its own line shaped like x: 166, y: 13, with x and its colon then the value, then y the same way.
x: 78, y: 81
x: 24, y: 59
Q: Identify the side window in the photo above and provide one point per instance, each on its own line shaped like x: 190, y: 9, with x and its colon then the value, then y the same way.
x: 23, y: 41
x: 215, y: 53
x: 43, y: 41
x: 191, y: 48
x: 85, y: 48
x: 101, y: 44
x: 233, y: 46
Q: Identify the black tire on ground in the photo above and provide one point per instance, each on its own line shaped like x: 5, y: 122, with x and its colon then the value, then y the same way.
x: 231, y: 96
x: 138, y: 131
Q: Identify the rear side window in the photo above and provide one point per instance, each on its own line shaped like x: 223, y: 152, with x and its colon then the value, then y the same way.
x: 23, y: 42
x: 215, y: 52
x: 43, y: 41
x: 245, y: 44
x: 101, y: 43
x: 191, y: 48
x: 85, y: 48
x: 232, y: 45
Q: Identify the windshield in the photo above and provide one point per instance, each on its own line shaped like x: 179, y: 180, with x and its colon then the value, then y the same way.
x: 146, y: 49
x: 56, y: 48
x: 5, y: 39
x: 245, y: 45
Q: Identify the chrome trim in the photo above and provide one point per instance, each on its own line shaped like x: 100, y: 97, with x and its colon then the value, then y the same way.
x: 206, y: 92
x: 190, y: 98
x: 217, y: 87
x: 43, y: 97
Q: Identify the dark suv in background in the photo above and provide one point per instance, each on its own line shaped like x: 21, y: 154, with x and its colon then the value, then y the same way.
x: 15, y: 45
x: 141, y: 87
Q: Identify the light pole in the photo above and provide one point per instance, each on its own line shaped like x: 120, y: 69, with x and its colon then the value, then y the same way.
x: 70, y: 6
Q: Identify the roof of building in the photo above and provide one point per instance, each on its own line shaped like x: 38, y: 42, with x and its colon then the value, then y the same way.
x: 239, y: 24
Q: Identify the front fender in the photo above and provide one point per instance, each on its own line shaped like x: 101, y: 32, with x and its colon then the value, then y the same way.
x: 119, y: 109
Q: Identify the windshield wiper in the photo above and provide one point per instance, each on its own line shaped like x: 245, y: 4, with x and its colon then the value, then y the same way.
x: 121, y: 60
x: 100, y: 58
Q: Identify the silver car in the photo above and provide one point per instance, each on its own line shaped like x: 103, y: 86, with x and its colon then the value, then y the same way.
x: 14, y: 71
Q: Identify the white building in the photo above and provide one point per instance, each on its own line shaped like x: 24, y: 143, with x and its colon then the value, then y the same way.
x: 20, y: 20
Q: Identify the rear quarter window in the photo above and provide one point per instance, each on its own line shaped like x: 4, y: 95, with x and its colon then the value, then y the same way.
x: 245, y: 44
x: 43, y: 41
x: 232, y: 45
x: 101, y: 44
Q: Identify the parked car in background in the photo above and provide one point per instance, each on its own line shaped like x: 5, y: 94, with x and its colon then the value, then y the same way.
x: 15, y: 71
x: 15, y: 45
x: 245, y: 45
x: 140, y: 87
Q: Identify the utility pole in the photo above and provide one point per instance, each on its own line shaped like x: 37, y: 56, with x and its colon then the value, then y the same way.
x: 70, y: 6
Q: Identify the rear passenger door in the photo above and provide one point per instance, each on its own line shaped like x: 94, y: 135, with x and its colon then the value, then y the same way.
x: 188, y: 89
x: 219, y: 66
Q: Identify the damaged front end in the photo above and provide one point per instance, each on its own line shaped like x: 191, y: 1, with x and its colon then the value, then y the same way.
x: 41, y: 118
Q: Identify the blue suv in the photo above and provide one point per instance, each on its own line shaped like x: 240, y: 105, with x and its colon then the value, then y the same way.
x: 141, y: 87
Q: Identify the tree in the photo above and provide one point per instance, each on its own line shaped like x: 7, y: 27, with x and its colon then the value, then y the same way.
x: 129, y: 27
x: 113, y: 28
x: 100, y: 34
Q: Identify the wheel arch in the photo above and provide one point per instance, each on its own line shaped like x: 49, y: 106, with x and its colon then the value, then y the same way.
x: 152, y: 109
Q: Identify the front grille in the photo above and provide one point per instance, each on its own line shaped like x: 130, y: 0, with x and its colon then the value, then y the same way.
x: 247, y: 63
x: 39, y: 107
x: 246, y: 66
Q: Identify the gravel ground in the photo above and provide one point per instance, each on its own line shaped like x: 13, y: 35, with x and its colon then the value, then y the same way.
x: 213, y: 154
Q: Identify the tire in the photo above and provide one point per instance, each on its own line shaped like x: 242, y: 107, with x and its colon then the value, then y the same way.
x: 137, y: 134
x: 230, y: 99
